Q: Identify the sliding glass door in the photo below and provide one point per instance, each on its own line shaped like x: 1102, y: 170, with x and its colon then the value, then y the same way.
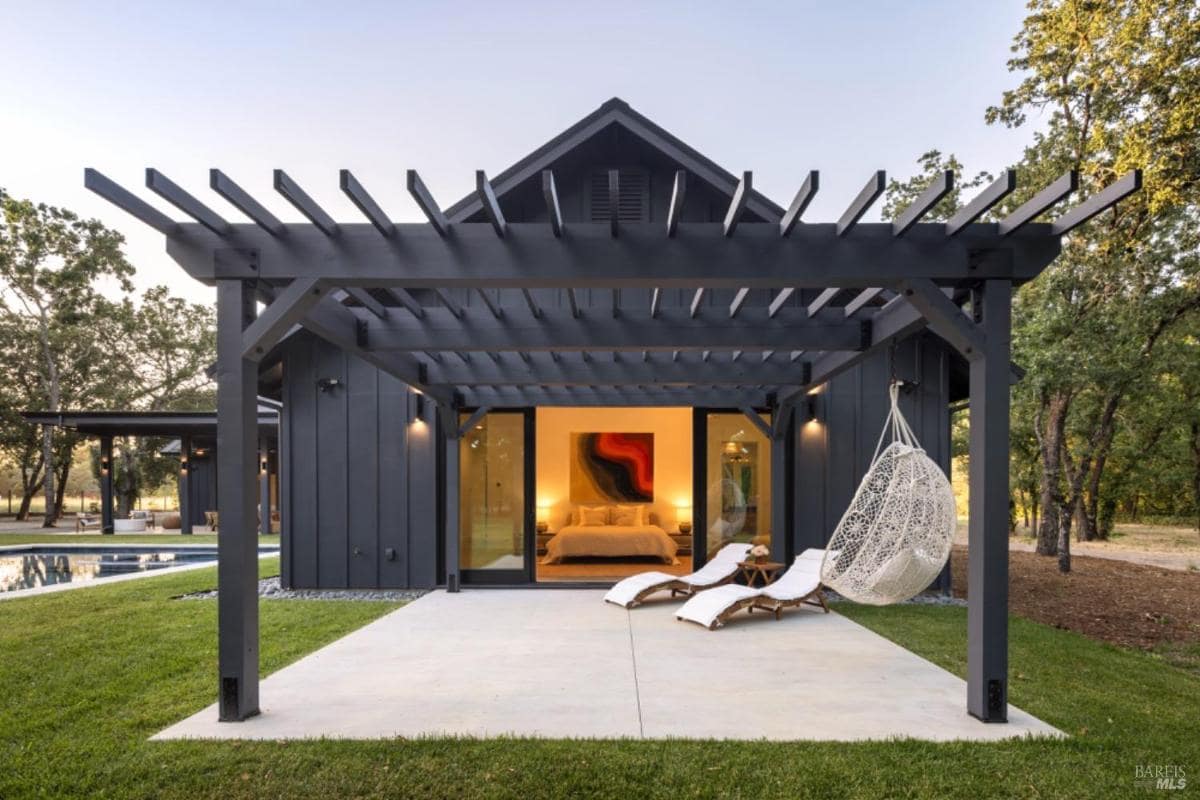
x: 495, y: 499
x: 735, y: 493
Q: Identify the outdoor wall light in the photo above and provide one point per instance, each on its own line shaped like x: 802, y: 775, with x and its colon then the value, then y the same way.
x: 104, y: 465
x: 183, y: 464
x: 416, y: 407
x: 262, y: 465
x: 328, y: 384
x: 810, y: 408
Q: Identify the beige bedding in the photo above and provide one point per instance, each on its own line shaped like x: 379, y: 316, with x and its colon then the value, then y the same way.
x: 574, y: 541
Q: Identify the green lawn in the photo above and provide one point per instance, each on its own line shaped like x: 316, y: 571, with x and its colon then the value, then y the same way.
x: 88, y: 675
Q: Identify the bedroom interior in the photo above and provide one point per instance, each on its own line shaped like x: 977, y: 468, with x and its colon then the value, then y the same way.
x: 611, y: 490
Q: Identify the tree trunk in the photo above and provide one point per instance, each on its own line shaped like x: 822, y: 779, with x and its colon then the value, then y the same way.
x: 1050, y: 425
x: 1196, y: 471
x: 126, y: 489
x: 48, y: 479
x: 1064, y: 538
x: 64, y: 472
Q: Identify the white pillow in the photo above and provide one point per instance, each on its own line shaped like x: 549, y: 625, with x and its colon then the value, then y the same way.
x: 629, y: 515
x: 593, y: 515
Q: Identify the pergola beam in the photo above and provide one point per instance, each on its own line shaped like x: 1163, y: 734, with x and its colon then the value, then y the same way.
x: 559, y: 329
x: 675, y: 209
x: 697, y: 299
x: 553, y: 211
x: 429, y: 207
x: 614, y: 201
x: 999, y: 189
x: 941, y: 186
x: 491, y: 304
x: 758, y: 422
x: 407, y: 301
x: 862, y: 203
x: 737, y: 205
x: 861, y: 300
x: 366, y: 204
x: 945, y: 318
x: 779, y: 301
x: 240, y: 199
x: 174, y: 194
x: 590, y: 396
x: 491, y: 206
x: 451, y: 305
x: 1043, y: 200
x: 534, y: 308
x: 288, y: 309
x: 304, y: 203
x: 701, y: 256
x: 804, y: 196
x: 1124, y: 186
x: 822, y: 300
x: 739, y: 300
x: 127, y: 201
x: 365, y: 300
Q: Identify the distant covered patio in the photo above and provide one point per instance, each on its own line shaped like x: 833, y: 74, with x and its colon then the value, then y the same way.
x: 510, y: 662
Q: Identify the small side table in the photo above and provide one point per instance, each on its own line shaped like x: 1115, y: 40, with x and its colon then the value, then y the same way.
x: 766, y: 571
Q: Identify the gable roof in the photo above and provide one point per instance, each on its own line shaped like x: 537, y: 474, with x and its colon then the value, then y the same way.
x: 616, y: 112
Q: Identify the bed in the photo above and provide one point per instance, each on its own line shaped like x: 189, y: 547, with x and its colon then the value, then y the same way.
x: 610, y: 541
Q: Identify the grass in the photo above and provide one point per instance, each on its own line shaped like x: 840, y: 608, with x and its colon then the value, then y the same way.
x: 89, y: 675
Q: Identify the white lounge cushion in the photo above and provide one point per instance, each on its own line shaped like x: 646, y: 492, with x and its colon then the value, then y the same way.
x: 624, y: 591
x: 722, y: 565
x: 802, y: 578
x: 706, y: 606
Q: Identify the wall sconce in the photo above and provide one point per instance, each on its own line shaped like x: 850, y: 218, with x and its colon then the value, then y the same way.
x: 104, y: 465
x: 262, y: 464
x: 328, y: 384
x: 183, y: 463
x: 810, y: 408
x: 416, y: 407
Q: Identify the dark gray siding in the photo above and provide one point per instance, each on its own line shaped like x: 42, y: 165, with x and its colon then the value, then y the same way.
x: 357, y: 474
x: 833, y: 453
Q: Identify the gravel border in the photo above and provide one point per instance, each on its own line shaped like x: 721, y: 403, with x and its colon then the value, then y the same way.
x: 269, y: 588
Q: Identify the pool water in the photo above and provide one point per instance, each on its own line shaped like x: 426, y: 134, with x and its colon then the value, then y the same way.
x: 45, y: 565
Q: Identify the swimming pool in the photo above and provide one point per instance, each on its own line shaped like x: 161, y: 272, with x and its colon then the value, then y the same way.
x: 46, y: 565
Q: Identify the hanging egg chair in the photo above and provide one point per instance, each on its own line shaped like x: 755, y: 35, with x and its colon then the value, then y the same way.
x: 896, y: 535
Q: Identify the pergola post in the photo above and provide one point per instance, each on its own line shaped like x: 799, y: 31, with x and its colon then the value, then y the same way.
x: 264, y: 486
x: 987, y: 546
x: 185, y: 488
x: 237, y: 548
x: 449, y: 425
x: 106, y: 484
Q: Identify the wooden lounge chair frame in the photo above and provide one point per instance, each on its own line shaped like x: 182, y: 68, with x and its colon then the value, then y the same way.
x: 814, y: 598
x: 676, y: 588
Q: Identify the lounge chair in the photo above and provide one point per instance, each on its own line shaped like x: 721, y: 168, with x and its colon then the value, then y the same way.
x: 799, y: 585
x: 721, y: 568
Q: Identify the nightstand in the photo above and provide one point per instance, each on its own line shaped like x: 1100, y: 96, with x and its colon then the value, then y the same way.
x: 683, y: 542
x: 543, y: 539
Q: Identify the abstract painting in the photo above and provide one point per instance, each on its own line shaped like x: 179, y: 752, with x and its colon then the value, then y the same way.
x: 612, y: 467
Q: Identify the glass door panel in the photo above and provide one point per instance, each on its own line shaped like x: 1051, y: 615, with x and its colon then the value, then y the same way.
x: 738, y: 480
x: 494, y: 508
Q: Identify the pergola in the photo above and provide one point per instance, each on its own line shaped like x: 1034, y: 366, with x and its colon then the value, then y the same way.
x: 188, y: 426
x: 366, y: 287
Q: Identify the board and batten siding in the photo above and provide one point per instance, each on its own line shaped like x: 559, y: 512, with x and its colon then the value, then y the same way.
x: 833, y: 453
x: 357, y: 475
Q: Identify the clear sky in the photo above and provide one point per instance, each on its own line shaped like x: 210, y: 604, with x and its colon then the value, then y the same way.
x: 780, y: 88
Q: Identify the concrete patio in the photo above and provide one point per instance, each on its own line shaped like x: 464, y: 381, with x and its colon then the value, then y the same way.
x: 561, y: 663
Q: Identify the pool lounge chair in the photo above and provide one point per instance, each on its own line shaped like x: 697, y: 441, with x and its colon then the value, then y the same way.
x: 721, y: 568
x: 801, y: 584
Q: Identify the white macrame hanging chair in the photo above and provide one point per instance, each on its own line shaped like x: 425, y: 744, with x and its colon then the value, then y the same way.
x: 896, y: 535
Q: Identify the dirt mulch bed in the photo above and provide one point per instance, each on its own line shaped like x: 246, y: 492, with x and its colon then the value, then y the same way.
x: 1131, y: 605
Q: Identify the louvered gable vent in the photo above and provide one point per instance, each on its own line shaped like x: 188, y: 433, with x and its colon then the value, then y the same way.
x: 634, y: 199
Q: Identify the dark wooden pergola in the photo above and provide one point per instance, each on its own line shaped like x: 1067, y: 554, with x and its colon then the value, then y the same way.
x: 357, y: 284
